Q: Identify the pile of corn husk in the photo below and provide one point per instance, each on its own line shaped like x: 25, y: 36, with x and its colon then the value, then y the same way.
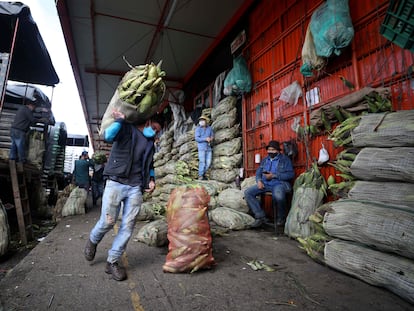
x: 176, y: 162
x: 367, y: 99
x: 372, y: 223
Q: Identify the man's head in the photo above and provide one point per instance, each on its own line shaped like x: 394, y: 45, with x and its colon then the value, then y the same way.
x: 273, y: 148
x: 31, y: 105
x: 151, y: 128
x: 203, y: 120
x: 84, y: 154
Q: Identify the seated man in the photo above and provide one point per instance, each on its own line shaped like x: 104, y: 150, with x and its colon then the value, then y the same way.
x: 274, y: 174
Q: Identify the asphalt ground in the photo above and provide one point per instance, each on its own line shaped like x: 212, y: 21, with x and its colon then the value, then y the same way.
x: 56, y: 276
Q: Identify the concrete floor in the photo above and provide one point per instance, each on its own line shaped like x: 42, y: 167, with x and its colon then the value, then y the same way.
x: 55, y: 276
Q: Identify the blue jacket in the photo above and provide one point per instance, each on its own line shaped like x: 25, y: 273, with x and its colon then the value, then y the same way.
x: 281, y: 167
x: 200, y: 135
x: 122, y: 164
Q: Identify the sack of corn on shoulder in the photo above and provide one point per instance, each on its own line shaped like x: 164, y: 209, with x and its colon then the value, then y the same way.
x: 138, y: 95
x: 99, y: 157
x: 189, y: 236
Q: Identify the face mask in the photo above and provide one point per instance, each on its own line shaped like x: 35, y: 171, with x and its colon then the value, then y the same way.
x: 272, y: 154
x: 148, y: 132
x: 202, y: 123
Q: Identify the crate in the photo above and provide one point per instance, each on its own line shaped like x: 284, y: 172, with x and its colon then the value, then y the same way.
x: 398, y: 25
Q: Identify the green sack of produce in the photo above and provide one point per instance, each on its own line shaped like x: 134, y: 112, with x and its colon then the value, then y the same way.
x: 138, y: 95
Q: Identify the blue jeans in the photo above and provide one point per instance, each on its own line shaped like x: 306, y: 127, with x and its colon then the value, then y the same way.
x: 18, y: 146
x: 204, y: 161
x: 116, y: 193
x: 97, y: 190
x: 279, y: 192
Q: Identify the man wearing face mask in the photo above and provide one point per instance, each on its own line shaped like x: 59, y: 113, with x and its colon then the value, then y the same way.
x: 204, y: 136
x: 129, y: 172
x: 274, y: 174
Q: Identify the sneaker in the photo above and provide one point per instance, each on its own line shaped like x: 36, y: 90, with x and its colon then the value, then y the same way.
x: 118, y: 272
x: 258, y: 222
x: 90, y: 250
x: 200, y: 178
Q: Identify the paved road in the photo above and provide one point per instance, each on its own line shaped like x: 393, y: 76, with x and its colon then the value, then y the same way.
x: 55, y: 276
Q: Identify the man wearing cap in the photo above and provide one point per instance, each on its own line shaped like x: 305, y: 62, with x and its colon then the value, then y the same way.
x: 204, y: 136
x: 274, y: 174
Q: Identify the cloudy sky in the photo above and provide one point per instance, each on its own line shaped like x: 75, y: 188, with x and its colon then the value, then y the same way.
x: 66, y: 104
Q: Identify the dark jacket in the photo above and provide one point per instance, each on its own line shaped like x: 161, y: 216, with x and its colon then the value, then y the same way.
x: 24, y: 119
x: 120, y: 164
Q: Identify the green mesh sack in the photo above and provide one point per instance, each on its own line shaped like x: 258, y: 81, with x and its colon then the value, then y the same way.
x: 331, y: 27
x: 238, y: 80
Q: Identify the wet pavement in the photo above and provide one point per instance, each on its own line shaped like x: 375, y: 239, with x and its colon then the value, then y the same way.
x: 55, y: 276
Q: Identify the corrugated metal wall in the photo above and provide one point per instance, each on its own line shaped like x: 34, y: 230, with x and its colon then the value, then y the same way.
x: 276, y: 34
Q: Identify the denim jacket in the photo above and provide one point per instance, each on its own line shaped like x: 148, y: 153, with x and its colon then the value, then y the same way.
x: 200, y: 135
x: 281, y: 167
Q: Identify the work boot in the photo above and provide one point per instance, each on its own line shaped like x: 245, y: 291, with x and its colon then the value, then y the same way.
x: 90, y: 250
x: 118, y: 272
x: 258, y: 222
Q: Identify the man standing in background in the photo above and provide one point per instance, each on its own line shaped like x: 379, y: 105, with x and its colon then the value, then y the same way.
x: 81, y: 172
x: 204, y: 136
x: 20, y: 127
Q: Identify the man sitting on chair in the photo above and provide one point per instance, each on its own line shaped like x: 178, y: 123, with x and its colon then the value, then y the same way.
x: 274, y: 175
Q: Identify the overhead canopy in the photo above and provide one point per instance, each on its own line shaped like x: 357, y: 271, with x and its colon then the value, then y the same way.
x: 30, y: 62
x: 100, y: 33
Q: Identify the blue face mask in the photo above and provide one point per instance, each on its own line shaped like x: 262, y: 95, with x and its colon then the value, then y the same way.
x: 148, y: 132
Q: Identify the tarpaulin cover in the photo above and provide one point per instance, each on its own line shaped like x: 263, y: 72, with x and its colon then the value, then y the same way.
x: 30, y: 61
x: 20, y: 93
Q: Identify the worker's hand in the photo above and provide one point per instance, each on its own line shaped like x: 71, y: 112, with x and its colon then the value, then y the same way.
x: 208, y: 139
x: 268, y: 175
x: 118, y: 114
x: 260, y: 184
x: 151, y: 186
